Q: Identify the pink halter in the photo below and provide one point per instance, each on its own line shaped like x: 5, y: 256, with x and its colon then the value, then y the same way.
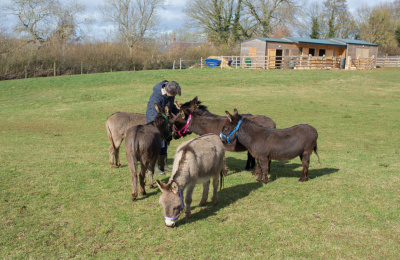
x: 184, y: 129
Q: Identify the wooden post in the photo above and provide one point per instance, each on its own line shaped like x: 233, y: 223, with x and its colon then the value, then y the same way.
x: 81, y: 67
x: 222, y: 60
x: 173, y: 66
x: 26, y: 71
x: 201, y: 63
x: 180, y: 63
x: 54, y: 69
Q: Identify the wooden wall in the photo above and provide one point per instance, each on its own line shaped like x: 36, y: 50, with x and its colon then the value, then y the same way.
x: 362, y: 51
x: 253, y: 47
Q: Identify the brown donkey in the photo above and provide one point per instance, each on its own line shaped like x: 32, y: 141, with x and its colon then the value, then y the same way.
x: 197, y: 119
x: 267, y: 144
x: 143, y: 144
x: 116, y: 126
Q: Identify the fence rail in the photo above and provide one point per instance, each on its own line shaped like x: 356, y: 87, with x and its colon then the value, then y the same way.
x: 298, y: 62
x: 388, y: 61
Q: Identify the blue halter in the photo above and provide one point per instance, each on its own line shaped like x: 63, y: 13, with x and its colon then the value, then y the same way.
x: 233, y: 131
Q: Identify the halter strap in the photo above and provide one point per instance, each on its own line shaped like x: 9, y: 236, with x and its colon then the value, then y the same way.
x: 233, y: 131
x: 185, y: 128
x: 169, y: 130
x: 182, y: 207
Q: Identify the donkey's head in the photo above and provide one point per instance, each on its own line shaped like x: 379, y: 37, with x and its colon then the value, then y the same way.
x: 163, y: 120
x: 231, y: 127
x: 182, y: 119
x: 172, y: 202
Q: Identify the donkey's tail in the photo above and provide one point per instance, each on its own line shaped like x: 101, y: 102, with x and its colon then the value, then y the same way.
x: 110, y: 137
x: 315, y: 151
x: 222, y: 174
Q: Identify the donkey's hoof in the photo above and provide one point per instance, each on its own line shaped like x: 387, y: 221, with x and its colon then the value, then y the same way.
x: 202, y: 203
x: 133, y: 199
x: 143, y: 193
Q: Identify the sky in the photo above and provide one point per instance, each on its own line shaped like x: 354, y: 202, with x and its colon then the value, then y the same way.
x: 172, y: 16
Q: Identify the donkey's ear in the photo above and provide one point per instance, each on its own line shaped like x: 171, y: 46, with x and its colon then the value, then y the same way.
x: 229, y: 116
x: 174, y: 187
x: 178, y: 106
x: 166, y: 109
x: 235, y: 111
x: 182, y: 113
x: 157, y: 107
x: 161, y: 185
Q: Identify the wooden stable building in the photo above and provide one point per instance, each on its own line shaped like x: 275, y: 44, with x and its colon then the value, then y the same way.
x: 301, y: 53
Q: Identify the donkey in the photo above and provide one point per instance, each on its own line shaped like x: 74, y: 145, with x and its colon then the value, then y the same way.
x: 196, y: 161
x: 267, y: 144
x: 143, y: 143
x: 116, y: 126
x: 197, y: 119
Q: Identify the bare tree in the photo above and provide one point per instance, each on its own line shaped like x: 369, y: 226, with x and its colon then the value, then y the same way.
x: 68, y: 24
x: 219, y: 19
x: 339, y: 20
x: 270, y: 16
x: 39, y: 19
x: 134, y: 19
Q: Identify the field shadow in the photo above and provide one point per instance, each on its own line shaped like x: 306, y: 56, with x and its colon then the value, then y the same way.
x: 226, y: 197
x: 280, y: 169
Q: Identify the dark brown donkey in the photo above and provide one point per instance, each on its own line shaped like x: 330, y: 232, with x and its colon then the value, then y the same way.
x: 116, y: 126
x: 143, y: 144
x: 197, y: 119
x: 267, y: 144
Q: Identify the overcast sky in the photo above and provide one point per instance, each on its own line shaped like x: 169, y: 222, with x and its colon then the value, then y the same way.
x: 172, y: 17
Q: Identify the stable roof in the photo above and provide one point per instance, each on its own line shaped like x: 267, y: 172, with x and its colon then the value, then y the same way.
x: 332, y: 42
x: 359, y: 42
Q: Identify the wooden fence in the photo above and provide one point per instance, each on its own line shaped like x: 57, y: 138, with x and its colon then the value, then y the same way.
x: 299, y: 62
x: 388, y: 61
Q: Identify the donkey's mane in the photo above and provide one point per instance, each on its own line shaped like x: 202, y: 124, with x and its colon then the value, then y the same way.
x: 187, y: 104
x: 203, y: 111
x: 158, y: 120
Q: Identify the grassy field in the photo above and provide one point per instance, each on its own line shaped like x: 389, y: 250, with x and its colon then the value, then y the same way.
x: 60, y: 199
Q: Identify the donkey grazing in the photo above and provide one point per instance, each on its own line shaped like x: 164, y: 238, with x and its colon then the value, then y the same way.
x: 143, y: 143
x: 267, y: 144
x: 116, y: 126
x: 196, y: 161
x: 199, y: 120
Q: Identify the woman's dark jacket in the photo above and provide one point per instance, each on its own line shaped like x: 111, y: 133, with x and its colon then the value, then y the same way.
x: 161, y: 100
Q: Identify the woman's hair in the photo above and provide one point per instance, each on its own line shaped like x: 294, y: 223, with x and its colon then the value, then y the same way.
x: 173, y: 88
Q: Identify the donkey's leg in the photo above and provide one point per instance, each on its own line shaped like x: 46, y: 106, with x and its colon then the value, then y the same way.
x: 188, y: 200
x: 252, y: 162
x: 206, y: 187
x: 142, y: 178
x: 259, y: 171
x: 305, y: 161
x: 133, y: 168
x: 151, y: 173
x: 215, y: 189
x: 117, y: 144
x: 248, y: 162
x: 111, y: 153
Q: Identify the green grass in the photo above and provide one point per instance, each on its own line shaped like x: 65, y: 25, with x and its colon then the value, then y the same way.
x: 59, y: 198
